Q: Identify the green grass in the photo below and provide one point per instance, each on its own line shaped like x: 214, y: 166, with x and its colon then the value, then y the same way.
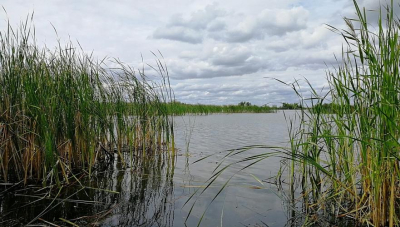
x: 61, y: 111
x: 178, y: 108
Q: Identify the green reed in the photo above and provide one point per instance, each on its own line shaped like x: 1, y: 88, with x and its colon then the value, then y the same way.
x: 61, y: 111
x: 348, y: 157
x: 179, y: 108
x: 345, y: 145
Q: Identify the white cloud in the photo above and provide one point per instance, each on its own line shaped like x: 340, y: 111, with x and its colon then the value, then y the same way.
x: 229, y: 47
x: 282, y: 21
x: 217, y: 24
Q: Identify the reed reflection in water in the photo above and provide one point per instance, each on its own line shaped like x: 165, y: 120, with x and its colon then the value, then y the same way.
x: 146, y: 193
x: 141, y: 195
x: 153, y: 190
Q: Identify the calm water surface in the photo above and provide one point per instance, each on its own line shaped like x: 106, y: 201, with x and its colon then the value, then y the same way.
x: 154, y: 193
x: 246, y: 202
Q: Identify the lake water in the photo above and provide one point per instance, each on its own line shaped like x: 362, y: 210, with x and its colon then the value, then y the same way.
x: 245, y: 202
x: 154, y: 193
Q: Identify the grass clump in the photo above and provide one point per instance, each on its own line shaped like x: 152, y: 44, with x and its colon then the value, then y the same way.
x: 60, y: 111
x: 349, y: 159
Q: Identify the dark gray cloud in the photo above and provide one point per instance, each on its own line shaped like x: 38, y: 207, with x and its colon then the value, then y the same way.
x: 217, y: 60
x: 373, y: 8
x: 179, y: 34
x: 198, y: 20
x: 216, y: 26
x: 192, y: 29
x: 228, y: 94
x: 193, y: 70
x: 232, y: 27
x: 260, y: 92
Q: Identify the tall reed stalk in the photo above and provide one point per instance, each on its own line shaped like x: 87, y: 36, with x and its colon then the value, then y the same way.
x: 349, y: 158
x: 60, y: 111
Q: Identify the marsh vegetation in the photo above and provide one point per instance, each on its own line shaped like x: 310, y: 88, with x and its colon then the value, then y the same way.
x: 343, y: 156
x: 349, y: 161
x: 178, y: 108
x: 66, y: 120
x: 61, y: 112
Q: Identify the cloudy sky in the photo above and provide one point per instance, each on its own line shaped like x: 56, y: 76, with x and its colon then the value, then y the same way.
x: 217, y: 52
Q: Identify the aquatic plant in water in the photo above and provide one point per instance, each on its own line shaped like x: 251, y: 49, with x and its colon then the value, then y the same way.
x: 348, y: 159
x: 61, y: 112
x: 344, y: 160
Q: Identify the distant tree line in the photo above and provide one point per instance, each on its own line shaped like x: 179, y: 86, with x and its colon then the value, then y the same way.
x: 244, y: 104
x: 179, y: 108
x: 290, y: 106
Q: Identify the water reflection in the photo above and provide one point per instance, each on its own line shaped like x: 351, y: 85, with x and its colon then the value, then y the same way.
x: 245, y: 201
x: 146, y: 193
x: 152, y: 191
x: 139, y: 196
